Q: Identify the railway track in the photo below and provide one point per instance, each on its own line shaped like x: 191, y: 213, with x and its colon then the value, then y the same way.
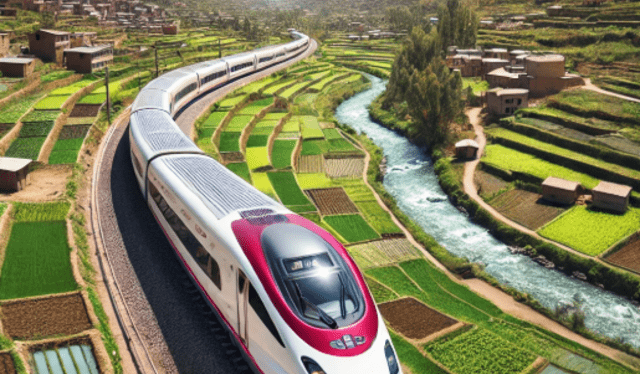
x: 166, y: 325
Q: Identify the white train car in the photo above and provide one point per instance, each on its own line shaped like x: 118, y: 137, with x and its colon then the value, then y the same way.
x: 287, y: 291
x: 241, y: 64
x: 265, y: 57
x: 211, y: 74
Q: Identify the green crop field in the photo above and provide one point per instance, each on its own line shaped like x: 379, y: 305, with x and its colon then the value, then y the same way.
x: 15, y: 110
x: 285, y: 185
x: 214, y: 119
x: 55, y: 75
x: 257, y: 157
x: 40, y: 116
x: 68, y: 144
x: 93, y: 98
x: 257, y: 141
x: 307, y: 181
x: 72, y: 88
x: 411, y: 356
x: 550, y: 148
x: 278, y: 86
x: 291, y: 126
x: 322, y: 83
x: 262, y: 183
x: 36, y: 261
x: 240, y: 169
x: 377, y: 217
x: 238, y: 123
x: 274, y: 116
x: 281, y: 153
x: 510, y: 159
x: 314, y: 147
x: 256, y: 106
x: 25, y: 148
x: 65, y: 151
x: 583, y: 101
x: 40, y: 212
x: 231, y: 102
x: 230, y: 142
x: 331, y: 134
x: 309, y: 126
x: 590, y: 231
x: 35, y: 129
x: 51, y: 102
x: 264, y: 127
x: 491, y: 354
x: 291, y: 91
x: 352, y: 227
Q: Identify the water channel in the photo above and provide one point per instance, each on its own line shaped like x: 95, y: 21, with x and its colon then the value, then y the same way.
x: 412, y: 182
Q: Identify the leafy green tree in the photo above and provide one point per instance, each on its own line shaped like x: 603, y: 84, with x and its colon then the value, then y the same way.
x: 457, y: 24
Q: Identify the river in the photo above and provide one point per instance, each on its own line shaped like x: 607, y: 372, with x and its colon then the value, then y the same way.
x: 411, y: 180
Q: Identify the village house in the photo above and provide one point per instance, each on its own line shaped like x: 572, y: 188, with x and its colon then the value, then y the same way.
x: 14, y: 173
x: 48, y: 45
x: 503, y: 102
x: 560, y: 191
x: 469, y: 66
x: 611, y: 196
x: 82, y: 39
x: 19, y: 67
x: 5, y: 43
x: 85, y: 60
x: 467, y: 149
x: 490, y: 64
x: 499, y: 53
x: 172, y: 29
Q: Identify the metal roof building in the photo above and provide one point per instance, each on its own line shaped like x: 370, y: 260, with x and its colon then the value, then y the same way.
x: 13, y: 173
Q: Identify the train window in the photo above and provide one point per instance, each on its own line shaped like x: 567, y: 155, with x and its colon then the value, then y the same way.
x: 213, y: 76
x: 197, y: 250
x: 242, y: 66
x: 265, y: 59
x: 258, y: 306
x: 185, y: 91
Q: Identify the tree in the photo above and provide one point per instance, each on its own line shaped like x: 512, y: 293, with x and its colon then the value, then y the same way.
x: 457, y: 24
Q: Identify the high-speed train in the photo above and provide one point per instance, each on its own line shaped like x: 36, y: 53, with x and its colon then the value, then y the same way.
x: 287, y: 291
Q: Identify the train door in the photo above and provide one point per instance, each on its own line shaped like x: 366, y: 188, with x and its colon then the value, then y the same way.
x: 242, y: 295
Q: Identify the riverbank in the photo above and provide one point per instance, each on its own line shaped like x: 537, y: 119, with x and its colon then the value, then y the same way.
x: 449, y: 181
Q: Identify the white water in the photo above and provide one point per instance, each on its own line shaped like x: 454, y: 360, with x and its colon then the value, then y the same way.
x: 410, y: 179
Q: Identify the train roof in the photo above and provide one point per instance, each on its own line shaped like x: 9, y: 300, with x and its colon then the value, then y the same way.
x: 150, y: 98
x: 156, y: 134
x: 221, y: 190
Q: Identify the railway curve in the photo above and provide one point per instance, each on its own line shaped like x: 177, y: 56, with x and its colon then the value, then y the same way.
x: 166, y: 326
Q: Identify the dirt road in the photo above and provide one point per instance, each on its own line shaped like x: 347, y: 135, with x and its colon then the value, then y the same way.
x: 590, y: 86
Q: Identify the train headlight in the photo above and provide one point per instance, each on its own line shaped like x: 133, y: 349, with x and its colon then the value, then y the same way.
x: 312, y: 366
x: 392, y: 360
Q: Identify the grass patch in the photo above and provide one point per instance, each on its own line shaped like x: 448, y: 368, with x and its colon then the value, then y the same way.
x: 281, y: 153
x: 230, y: 142
x: 240, y: 169
x: 352, y: 227
x: 287, y: 189
x: 590, y: 231
x: 510, y: 159
x: 37, y: 261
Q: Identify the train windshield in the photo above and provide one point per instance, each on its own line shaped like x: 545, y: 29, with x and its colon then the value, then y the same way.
x: 312, y: 277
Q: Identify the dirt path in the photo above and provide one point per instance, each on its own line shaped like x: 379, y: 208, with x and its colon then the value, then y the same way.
x: 591, y: 87
x: 470, y: 188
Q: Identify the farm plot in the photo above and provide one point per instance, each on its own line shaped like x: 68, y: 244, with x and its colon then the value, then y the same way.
x: 228, y: 157
x: 272, y: 90
x: 483, y: 352
x: 16, y: 109
x: 285, y: 185
x: 257, y: 140
x: 628, y: 256
x: 414, y: 319
x: 257, y: 157
x: 590, y: 231
x: 281, y: 153
x: 291, y: 126
x: 619, y: 143
x: 41, y: 317
x: 510, y: 159
x: 488, y: 184
x: 85, y: 110
x: 256, y: 106
x: 6, y: 364
x: 238, y: 123
x: 352, y: 227
x: 380, y: 293
x: 52, y: 102
x: 332, y: 201
x: 240, y: 169
x: 215, y: 119
x: 291, y: 91
x: 308, y: 181
x: 229, y: 103
x: 344, y: 167
x: 592, y: 104
x: 65, y: 151
x: 526, y: 208
x: 230, y: 142
x: 309, y: 127
x: 311, y: 164
x: 384, y: 252
x: 264, y: 127
x: 26, y: 147
x: 65, y: 359
x: 378, y: 218
x: 36, y: 261
x: 262, y: 183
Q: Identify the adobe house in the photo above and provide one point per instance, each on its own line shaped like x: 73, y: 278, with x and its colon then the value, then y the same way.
x: 14, y: 173
x: 19, y: 67
x: 467, y: 149
x: 490, y: 64
x: 48, y: 45
x: 561, y: 191
x: 85, y: 60
x: 503, y: 102
x: 5, y: 43
x: 611, y: 196
x: 82, y: 39
x: 499, y: 53
x: 469, y: 66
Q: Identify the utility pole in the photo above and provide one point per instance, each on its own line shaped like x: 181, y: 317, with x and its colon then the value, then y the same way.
x: 155, y: 48
x: 106, y: 82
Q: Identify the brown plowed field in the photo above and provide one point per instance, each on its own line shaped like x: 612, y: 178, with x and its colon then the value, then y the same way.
x: 6, y: 364
x: 488, y: 184
x: 526, y: 208
x: 74, y: 131
x: 628, y: 256
x: 346, y: 167
x: 85, y: 110
x: 332, y: 201
x: 310, y: 164
x: 413, y: 319
x: 232, y: 157
x: 37, y: 318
